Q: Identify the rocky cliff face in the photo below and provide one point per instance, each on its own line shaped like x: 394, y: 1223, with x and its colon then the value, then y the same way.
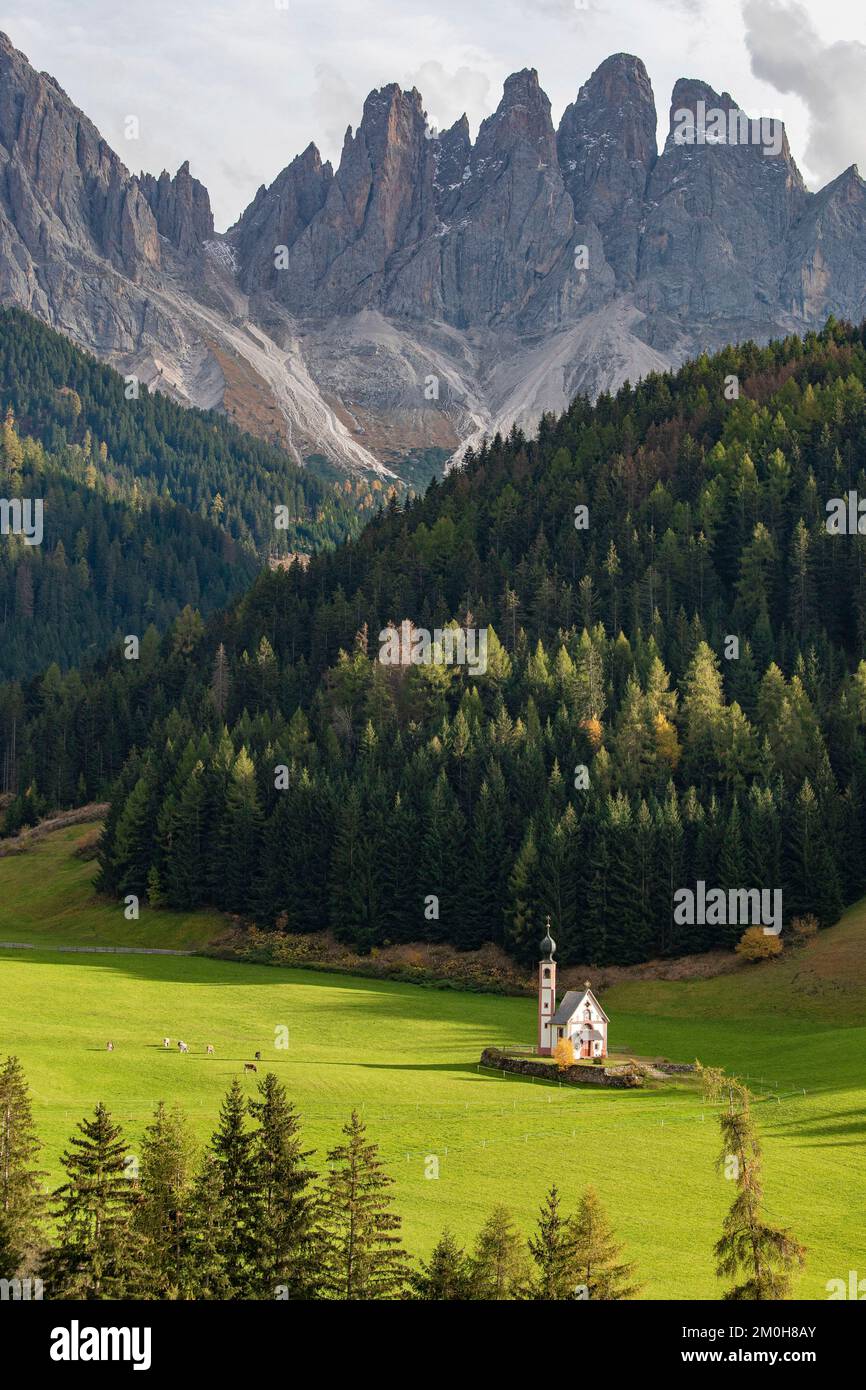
x: 429, y: 289
x: 62, y: 185
x: 181, y: 207
x: 606, y: 146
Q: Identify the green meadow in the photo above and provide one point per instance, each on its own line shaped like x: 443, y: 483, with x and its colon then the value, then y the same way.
x: 406, y: 1057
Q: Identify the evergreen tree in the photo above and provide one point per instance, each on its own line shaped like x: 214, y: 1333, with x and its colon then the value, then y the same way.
x: 601, y: 1271
x: 165, y: 1178
x: 762, y: 1256
x: 206, y: 1265
x: 446, y: 1276
x: 522, y: 929
x: 236, y: 1179
x: 499, y: 1263
x: 184, y: 867
x: 22, y: 1200
x: 363, y: 1257
x: 811, y: 880
x: 443, y: 871
x: 94, y: 1255
x: 287, y: 1244
x: 241, y: 826
x: 481, y: 917
x: 554, y: 1250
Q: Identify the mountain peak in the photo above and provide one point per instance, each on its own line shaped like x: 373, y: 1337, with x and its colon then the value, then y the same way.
x: 521, y: 86
x: 606, y: 146
x: 181, y: 206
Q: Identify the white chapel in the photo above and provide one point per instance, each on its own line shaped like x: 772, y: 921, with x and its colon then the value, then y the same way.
x: 579, y: 1017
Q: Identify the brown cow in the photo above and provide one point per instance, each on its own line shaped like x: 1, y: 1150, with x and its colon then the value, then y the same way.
x: 250, y: 1066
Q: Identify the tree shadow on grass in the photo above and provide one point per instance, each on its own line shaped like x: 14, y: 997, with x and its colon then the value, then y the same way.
x: 839, y: 1123
x: 420, y: 1066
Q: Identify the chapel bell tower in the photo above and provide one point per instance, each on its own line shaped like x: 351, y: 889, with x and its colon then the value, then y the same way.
x: 546, y: 993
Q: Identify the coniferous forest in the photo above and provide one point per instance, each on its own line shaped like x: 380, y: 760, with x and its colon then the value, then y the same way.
x: 612, y: 751
x: 147, y: 505
x: 146, y: 445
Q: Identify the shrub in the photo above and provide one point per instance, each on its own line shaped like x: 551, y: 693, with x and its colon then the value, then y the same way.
x: 756, y: 944
x: 804, y: 928
x: 563, y: 1053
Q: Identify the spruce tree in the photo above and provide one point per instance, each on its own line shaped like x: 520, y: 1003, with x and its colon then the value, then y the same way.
x: 554, y: 1250
x: 523, y: 908
x: 132, y: 849
x: 446, y: 1276
x: 363, y: 1257
x: 205, y: 1252
x: 240, y: 1196
x: 183, y: 879
x: 443, y: 868
x: 22, y: 1198
x: 240, y: 830
x: 94, y: 1255
x: 481, y: 916
x: 162, y: 1198
x: 286, y: 1235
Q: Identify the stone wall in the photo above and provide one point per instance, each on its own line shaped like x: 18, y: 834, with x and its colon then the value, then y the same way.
x: 623, y: 1078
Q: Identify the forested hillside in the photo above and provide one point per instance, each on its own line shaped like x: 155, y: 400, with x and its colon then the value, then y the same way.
x: 152, y: 446
x: 105, y: 567
x: 608, y: 651
x: 146, y: 506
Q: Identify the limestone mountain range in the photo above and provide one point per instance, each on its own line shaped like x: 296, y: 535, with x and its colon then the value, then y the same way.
x: 430, y: 289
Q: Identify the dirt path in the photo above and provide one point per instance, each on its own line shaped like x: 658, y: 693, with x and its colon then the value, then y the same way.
x: 94, y: 950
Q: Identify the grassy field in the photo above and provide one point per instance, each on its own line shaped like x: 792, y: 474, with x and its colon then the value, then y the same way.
x: 46, y: 896
x: 406, y: 1057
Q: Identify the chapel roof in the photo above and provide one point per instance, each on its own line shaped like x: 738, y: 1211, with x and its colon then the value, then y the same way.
x: 571, y: 1003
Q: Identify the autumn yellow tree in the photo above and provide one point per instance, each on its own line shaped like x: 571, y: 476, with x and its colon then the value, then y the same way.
x: 756, y: 944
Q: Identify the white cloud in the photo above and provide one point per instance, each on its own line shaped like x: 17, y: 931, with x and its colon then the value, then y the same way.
x: 787, y: 51
x: 336, y: 106
x: 449, y: 95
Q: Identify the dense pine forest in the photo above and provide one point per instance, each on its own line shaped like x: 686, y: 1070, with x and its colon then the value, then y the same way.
x: 105, y: 567
x: 146, y: 506
x: 619, y: 745
x: 79, y: 408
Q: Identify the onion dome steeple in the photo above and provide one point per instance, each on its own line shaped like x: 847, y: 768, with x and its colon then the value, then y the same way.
x: 548, y: 945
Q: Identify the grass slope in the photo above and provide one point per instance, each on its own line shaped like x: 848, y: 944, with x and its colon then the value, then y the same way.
x: 407, y: 1058
x: 46, y: 895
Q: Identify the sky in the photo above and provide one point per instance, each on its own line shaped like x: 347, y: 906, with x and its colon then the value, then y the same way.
x: 239, y: 87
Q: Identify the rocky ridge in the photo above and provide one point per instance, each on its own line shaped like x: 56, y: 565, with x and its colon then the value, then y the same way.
x: 429, y: 289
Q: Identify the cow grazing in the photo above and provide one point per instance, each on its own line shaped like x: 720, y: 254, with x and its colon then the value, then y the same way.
x: 182, y: 1047
x: 258, y: 1056
x: 250, y: 1066
x: 109, y: 1047
x: 166, y: 1042
x: 210, y: 1051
